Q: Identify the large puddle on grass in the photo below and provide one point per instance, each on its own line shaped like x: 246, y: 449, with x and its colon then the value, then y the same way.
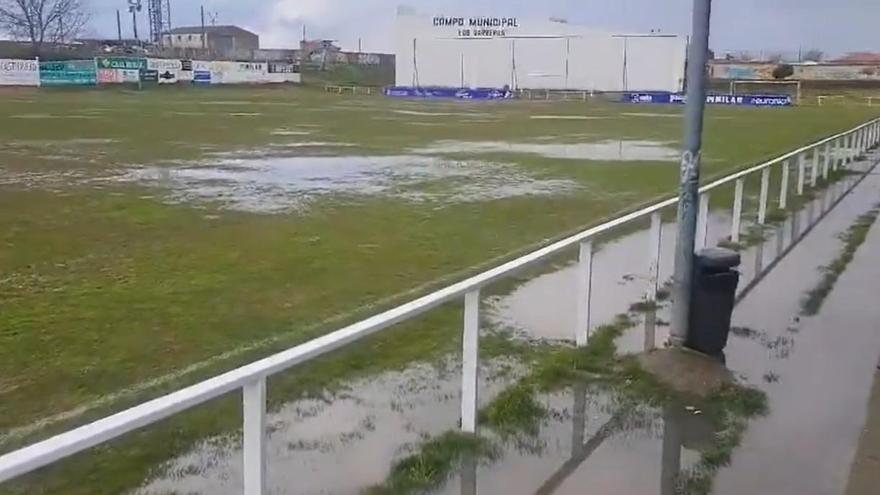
x: 342, y: 443
x: 609, y: 150
x: 272, y: 184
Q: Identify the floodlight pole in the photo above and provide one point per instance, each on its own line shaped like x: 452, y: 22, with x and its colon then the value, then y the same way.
x: 698, y: 57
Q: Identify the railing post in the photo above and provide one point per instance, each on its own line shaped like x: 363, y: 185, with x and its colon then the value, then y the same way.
x: 826, y: 164
x: 654, y: 256
x: 854, y: 147
x: 254, y: 451
x: 783, y: 189
x: 470, y: 360
x: 765, y: 190
x: 703, y: 221
x: 814, y: 176
x: 584, y: 292
x: 835, y: 155
x: 802, y: 165
x: 847, y: 149
x: 737, y: 210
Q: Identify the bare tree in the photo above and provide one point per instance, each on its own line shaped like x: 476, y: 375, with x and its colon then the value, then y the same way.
x: 775, y: 57
x: 42, y: 21
x: 814, y: 55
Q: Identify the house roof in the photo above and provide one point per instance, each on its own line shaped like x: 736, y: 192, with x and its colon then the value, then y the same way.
x: 218, y: 30
x: 859, y: 57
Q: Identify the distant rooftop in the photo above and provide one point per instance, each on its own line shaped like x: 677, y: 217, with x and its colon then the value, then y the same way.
x: 220, y: 30
x: 860, y: 58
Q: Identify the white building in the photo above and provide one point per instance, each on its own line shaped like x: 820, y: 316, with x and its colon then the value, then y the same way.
x: 456, y: 51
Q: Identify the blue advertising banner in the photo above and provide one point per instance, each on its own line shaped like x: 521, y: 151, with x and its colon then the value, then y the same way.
x: 202, y: 77
x: 740, y: 100
x: 68, y: 73
x: 459, y: 93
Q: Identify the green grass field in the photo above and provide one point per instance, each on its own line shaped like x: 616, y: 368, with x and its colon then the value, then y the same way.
x: 121, y: 278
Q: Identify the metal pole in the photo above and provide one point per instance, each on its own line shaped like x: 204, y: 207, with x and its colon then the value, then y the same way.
x: 204, y: 34
x: 134, y: 23
x: 690, y: 169
x: 118, y: 25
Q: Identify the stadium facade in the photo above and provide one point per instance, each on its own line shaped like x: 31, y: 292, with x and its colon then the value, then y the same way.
x: 486, y: 51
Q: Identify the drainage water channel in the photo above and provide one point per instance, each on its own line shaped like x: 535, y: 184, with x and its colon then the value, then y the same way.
x: 590, y: 439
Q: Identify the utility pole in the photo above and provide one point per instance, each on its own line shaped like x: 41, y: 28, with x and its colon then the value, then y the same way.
x: 698, y: 55
x: 204, y: 34
x: 134, y: 24
x: 360, y: 45
x: 119, y: 24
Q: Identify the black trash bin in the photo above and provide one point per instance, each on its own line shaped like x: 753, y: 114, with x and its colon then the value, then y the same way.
x: 714, y: 292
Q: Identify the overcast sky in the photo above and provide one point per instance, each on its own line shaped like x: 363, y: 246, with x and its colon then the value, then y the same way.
x: 835, y: 26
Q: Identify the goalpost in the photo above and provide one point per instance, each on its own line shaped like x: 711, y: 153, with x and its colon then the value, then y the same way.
x: 735, y: 84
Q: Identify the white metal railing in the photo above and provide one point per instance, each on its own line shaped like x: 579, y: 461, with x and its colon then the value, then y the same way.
x: 832, y: 152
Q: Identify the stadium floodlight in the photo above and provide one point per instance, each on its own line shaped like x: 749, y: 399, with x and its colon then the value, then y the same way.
x: 134, y: 6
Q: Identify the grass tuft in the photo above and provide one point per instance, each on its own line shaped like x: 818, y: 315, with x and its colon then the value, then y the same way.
x: 853, y: 238
x: 432, y: 464
x: 515, y: 410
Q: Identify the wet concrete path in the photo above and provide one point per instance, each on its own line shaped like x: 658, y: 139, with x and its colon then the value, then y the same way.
x: 817, y: 372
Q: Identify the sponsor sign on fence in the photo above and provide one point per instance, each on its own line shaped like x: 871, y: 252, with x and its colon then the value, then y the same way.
x: 168, y: 69
x: 202, y: 77
x: 739, y: 100
x: 117, y: 70
x: 150, y: 75
x: 460, y: 93
x: 69, y: 73
x: 239, y: 72
x: 16, y: 72
x: 281, y: 72
x: 121, y: 63
x: 109, y: 76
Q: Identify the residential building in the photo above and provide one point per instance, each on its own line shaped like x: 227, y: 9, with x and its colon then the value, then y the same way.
x: 217, y: 39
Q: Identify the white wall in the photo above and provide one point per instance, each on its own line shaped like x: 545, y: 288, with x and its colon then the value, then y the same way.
x: 547, y: 55
x: 650, y: 60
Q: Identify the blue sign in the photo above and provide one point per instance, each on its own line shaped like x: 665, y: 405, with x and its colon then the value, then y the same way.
x: 202, y: 77
x: 459, y: 93
x: 68, y: 73
x: 738, y: 100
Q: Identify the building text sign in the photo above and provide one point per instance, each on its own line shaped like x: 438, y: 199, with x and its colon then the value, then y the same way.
x: 478, y: 27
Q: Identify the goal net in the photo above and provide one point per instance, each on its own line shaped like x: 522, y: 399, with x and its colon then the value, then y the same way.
x: 768, y: 87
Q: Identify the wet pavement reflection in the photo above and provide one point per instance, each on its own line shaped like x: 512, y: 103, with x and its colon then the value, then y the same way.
x: 359, y: 431
x: 608, y: 446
